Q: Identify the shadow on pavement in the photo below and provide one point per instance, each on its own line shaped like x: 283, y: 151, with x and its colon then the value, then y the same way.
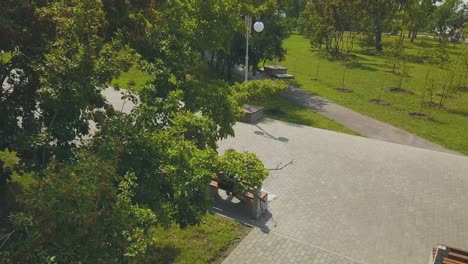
x: 263, y: 132
x: 231, y: 207
x: 305, y: 99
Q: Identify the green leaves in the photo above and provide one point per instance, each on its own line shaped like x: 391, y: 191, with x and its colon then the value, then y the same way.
x: 244, y: 170
x: 76, y: 214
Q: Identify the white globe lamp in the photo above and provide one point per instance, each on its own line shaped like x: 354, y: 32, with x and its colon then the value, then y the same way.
x: 258, y: 26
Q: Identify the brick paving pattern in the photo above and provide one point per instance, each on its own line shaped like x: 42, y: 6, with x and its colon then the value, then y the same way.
x: 350, y: 199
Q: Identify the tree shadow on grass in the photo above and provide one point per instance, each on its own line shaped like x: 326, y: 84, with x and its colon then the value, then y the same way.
x: 360, y: 66
x: 163, y: 254
x: 458, y: 112
x: 426, y: 44
x: 415, y: 58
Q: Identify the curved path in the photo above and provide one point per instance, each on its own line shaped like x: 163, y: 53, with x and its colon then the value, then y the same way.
x: 362, y: 124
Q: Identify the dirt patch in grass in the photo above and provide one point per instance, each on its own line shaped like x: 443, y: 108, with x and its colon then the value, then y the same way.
x: 464, y: 89
x: 344, y: 90
x: 401, y: 90
x: 419, y: 115
x: 433, y: 105
x: 379, y: 102
x: 450, y: 96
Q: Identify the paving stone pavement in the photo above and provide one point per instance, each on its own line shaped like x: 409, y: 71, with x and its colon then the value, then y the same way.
x: 275, y: 248
x: 351, y: 199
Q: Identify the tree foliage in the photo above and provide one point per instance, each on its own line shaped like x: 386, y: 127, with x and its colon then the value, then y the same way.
x: 327, y: 22
x: 76, y: 214
x: 96, y: 200
x: 243, y: 170
x: 449, y: 19
x: 60, y: 62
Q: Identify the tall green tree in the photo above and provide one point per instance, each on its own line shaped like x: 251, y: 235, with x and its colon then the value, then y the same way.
x: 264, y: 46
x: 417, y: 17
x: 327, y: 22
x: 60, y: 62
x: 380, y: 11
x: 449, y: 19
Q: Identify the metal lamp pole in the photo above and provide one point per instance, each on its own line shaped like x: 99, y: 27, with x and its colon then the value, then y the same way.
x: 258, y: 27
x: 248, y: 24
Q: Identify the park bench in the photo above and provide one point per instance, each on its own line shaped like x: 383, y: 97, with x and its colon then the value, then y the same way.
x: 449, y: 255
x: 257, y: 202
x: 278, y: 72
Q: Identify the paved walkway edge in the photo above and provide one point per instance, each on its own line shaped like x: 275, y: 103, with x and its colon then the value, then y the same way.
x: 360, y: 123
x: 265, y: 230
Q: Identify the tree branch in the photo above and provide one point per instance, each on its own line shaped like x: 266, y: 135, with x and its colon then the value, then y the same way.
x: 281, y: 167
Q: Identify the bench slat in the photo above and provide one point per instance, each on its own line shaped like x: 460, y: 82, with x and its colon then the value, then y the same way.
x: 458, y: 255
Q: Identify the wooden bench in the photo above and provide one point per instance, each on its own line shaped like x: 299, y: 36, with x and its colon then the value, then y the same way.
x: 258, y: 203
x: 449, y: 255
x: 277, y: 72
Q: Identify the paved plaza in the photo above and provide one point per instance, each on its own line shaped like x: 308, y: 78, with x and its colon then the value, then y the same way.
x: 349, y: 199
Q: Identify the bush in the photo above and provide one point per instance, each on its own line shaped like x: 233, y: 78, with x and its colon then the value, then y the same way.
x: 76, y: 214
x: 244, y: 170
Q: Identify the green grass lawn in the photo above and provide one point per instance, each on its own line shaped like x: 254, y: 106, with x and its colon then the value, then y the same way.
x: 204, y: 243
x: 134, y: 79
x: 282, y: 109
x: 5, y: 57
x: 368, y: 75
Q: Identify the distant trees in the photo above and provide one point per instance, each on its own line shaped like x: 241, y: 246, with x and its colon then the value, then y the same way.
x: 380, y: 11
x: 417, y: 17
x: 449, y: 19
x: 325, y: 21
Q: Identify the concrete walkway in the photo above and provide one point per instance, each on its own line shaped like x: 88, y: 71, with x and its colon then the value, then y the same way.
x: 362, y: 124
x: 350, y: 199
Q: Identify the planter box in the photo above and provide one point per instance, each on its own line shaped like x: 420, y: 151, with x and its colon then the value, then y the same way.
x: 252, y: 113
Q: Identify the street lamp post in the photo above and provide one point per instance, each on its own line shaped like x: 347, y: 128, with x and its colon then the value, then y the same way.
x: 258, y: 27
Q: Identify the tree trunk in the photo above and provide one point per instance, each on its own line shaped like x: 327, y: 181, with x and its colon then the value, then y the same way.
x: 409, y: 34
x: 378, y: 33
x: 218, y: 61
x: 223, y: 66
x: 229, y: 69
x: 413, y: 36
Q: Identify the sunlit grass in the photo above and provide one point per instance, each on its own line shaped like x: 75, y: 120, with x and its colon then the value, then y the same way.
x: 282, y: 109
x: 370, y: 77
x: 197, y: 244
